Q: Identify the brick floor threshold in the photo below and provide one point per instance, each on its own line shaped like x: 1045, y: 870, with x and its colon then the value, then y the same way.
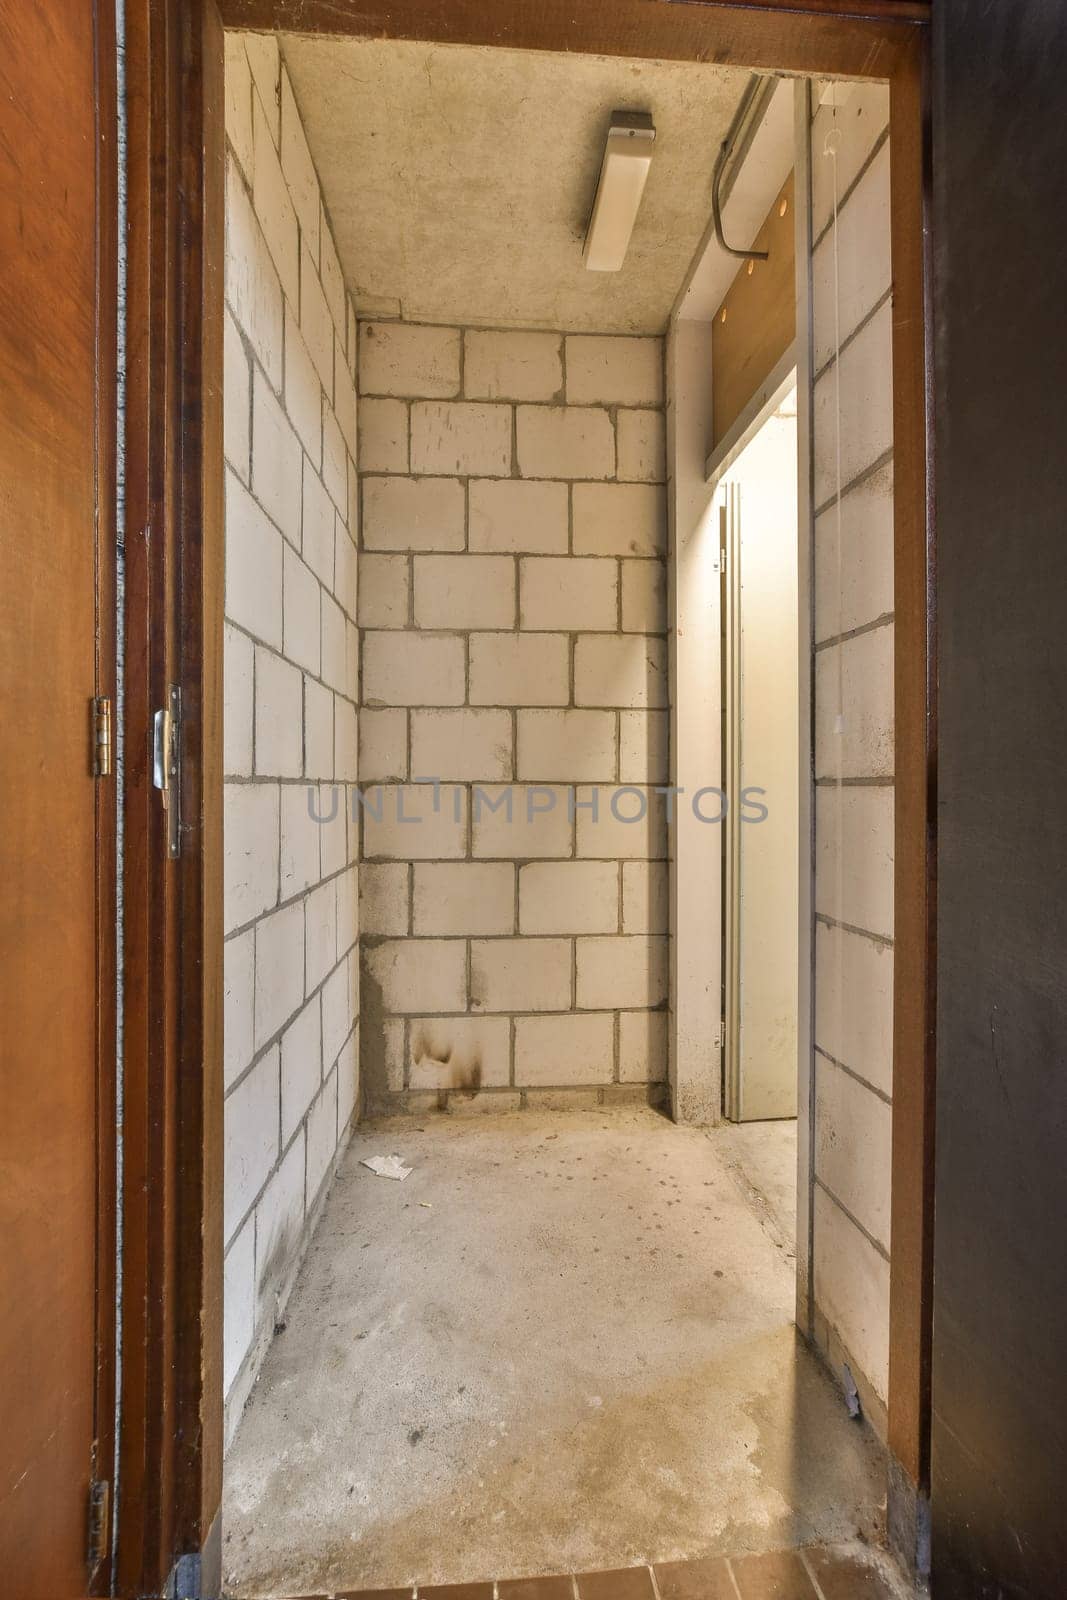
x: 822, y: 1572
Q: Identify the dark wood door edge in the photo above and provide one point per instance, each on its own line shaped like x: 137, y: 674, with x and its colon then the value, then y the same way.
x: 200, y: 643
x: 145, y: 1476
x: 915, y: 887
x: 172, y: 1439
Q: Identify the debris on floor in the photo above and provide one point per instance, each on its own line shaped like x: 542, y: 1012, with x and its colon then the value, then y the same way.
x: 852, y: 1394
x: 387, y: 1167
x: 556, y: 1328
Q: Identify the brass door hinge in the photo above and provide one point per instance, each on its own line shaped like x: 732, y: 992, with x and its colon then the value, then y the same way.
x: 101, y: 751
x: 99, y: 1522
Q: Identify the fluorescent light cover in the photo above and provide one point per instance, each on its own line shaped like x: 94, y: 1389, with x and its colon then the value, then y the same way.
x: 623, y: 174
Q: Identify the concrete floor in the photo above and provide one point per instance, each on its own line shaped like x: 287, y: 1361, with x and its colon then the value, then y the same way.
x: 763, y: 1158
x: 564, y: 1343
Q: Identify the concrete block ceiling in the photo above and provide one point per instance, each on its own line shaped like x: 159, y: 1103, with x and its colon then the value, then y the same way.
x: 459, y: 180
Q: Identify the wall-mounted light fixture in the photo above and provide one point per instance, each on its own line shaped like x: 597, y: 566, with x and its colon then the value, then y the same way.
x: 623, y: 175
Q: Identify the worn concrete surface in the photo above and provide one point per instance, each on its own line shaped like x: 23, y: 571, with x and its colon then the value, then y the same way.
x: 763, y: 1158
x: 458, y: 176
x: 564, y: 1343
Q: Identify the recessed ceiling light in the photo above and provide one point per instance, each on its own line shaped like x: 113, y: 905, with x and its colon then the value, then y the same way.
x: 623, y: 175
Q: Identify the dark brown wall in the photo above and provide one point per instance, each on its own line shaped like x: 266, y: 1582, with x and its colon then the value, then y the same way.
x: 1000, y: 1319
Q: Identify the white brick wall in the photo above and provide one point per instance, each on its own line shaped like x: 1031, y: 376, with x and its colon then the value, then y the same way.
x: 514, y: 515
x: 467, y: 591
x: 854, y: 742
x: 508, y: 668
x: 566, y: 746
x: 614, y: 371
x: 513, y: 603
x: 460, y: 438
x: 568, y: 592
x: 398, y: 359
x: 291, y: 667
x: 513, y: 366
x: 565, y: 442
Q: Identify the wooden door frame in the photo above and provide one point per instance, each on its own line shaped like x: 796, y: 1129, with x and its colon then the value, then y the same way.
x: 170, y: 1448
x: 104, y: 1443
x: 170, y: 1486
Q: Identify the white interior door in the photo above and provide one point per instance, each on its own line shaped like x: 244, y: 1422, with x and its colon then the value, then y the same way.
x: 758, y: 562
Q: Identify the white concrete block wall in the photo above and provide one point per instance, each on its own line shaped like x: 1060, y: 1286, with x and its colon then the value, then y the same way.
x: 513, y: 615
x: 291, y: 696
x: 853, y: 738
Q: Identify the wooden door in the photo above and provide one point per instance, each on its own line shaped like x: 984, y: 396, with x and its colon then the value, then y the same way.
x: 999, y: 1446
x: 56, y: 862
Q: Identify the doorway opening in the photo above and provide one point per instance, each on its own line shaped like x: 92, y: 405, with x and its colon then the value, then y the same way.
x: 557, y: 1332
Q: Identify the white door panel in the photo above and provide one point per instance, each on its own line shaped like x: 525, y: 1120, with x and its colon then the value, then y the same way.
x: 759, y: 536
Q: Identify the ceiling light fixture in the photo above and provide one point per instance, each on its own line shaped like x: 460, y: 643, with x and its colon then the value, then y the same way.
x: 623, y: 175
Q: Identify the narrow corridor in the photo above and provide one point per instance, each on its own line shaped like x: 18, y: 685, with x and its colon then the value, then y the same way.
x: 564, y: 1343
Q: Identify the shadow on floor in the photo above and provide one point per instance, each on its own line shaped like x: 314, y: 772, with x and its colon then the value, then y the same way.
x: 564, y: 1343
